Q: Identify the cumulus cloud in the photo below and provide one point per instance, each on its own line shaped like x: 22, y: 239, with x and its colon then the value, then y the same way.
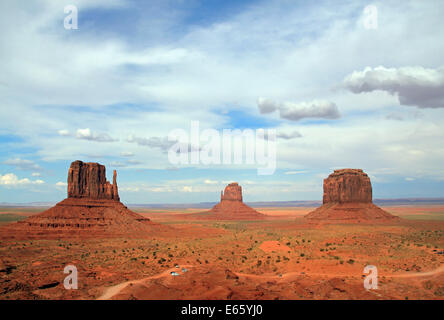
x: 154, y: 142
x: 155, y: 189
x: 134, y: 162
x: 23, y: 164
x: 414, y: 86
x: 187, y: 189
x: 61, y: 185
x: 208, y: 181
x: 64, y: 133
x: 288, y: 136
x: 224, y: 62
x: 319, y: 109
x: 118, y: 164
x: 130, y: 189
x: 295, y: 172
x: 161, y: 143
x: 11, y: 180
x: 314, y: 109
x: 283, y: 135
x: 127, y: 154
x: 87, y: 134
x: 266, y: 106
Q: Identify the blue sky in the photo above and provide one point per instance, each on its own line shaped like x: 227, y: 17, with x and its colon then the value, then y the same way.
x: 338, y: 93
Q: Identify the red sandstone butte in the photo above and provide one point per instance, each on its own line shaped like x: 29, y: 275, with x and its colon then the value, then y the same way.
x: 88, y: 180
x: 348, y: 198
x: 93, y: 208
x: 231, y: 206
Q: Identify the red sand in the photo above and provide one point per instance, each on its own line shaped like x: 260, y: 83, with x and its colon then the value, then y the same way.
x: 280, y: 257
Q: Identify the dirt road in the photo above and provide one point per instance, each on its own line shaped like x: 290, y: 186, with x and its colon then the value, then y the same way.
x: 112, y: 291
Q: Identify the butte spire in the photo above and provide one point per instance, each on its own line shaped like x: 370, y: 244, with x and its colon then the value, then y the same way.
x: 92, y: 209
x: 232, y: 207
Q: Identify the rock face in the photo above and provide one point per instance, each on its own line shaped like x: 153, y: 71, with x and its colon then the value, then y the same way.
x: 88, y: 180
x: 232, y: 192
x: 231, y: 206
x: 348, y: 198
x: 347, y: 185
x: 92, y: 209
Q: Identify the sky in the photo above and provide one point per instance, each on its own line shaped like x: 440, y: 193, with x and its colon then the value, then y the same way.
x: 340, y: 91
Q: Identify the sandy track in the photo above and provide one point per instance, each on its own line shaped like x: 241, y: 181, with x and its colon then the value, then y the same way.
x: 290, y: 276
x: 419, y: 274
x: 112, y: 291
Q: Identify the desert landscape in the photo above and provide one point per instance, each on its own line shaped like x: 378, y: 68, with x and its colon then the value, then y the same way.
x: 220, y: 151
x: 268, y: 253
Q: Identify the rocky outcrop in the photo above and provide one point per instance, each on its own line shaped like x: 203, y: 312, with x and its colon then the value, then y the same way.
x: 347, y: 185
x: 232, y: 192
x: 231, y: 206
x: 115, y: 188
x: 92, y: 209
x: 348, y: 198
x: 88, y: 180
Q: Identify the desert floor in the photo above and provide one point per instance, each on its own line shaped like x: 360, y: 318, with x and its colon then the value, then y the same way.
x: 281, y: 257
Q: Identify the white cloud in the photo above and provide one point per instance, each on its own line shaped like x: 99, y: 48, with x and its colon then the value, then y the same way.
x: 23, y: 164
x: 295, y: 172
x: 87, y: 134
x: 11, y: 180
x: 61, y: 186
x: 266, y: 105
x: 208, y: 181
x: 414, y: 86
x: 283, y: 135
x: 129, y: 189
x: 314, y: 109
x: 64, y: 133
x: 154, y: 142
x: 370, y: 145
x: 134, y: 162
x: 187, y: 189
x: 118, y: 164
x: 318, y: 109
x: 284, y: 52
x: 127, y: 154
x: 288, y: 136
x: 162, y: 143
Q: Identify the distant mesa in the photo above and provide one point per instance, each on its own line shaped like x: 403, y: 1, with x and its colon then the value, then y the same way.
x: 232, y: 192
x: 348, y: 198
x: 93, y: 208
x: 232, y: 207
